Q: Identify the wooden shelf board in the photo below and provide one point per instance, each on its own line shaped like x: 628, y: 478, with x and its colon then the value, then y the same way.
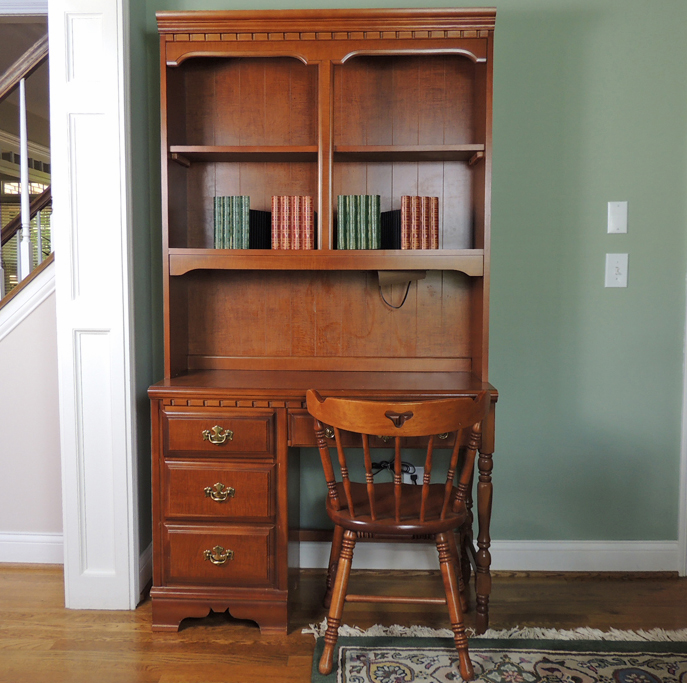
x: 246, y: 153
x: 468, y: 261
x: 406, y: 152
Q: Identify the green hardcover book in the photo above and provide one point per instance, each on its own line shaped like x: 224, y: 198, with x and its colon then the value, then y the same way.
x: 362, y: 221
x: 226, y: 222
x: 236, y: 215
x: 375, y: 222
x: 350, y: 222
x: 245, y: 223
x: 341, y: 222
x: 217, y: 222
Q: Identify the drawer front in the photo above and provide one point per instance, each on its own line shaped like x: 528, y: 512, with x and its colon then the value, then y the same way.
x: 302, y: 433
x: 217, y: 490
x: 219, y: 555
x: 218, y: 433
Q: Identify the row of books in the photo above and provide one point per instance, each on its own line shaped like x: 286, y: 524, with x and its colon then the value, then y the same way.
x: 232, y: 222
x: 419, y: 222
x: 292, y: 223
x: 358, y: 221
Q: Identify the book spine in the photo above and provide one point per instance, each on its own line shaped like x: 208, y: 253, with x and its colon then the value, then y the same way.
x: 308, y: 223
x: 415, y: 223
x: 406, y: 219
x: 217, y: 222
x: 362, y: 221
x: 424, y: 222
x: 287, y: 225
x: 226, y: 222
x: 376, y: 222
x: 350, y: 222
x: 434, y: 223
x: 276, y: 232
x: 245, y: 222
x: 341, y: 221
x: 296, y: 214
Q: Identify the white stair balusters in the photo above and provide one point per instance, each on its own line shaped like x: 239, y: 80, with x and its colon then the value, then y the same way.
x: 39, y: 239
x: 24, y: 241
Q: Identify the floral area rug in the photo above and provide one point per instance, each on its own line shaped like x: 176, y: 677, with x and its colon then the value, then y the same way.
x: 384, y: 659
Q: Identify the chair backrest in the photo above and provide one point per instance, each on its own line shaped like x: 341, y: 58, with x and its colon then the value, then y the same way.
x: 398, y: 420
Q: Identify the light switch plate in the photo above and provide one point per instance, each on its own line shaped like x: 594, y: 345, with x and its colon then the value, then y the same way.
x: 616, y: 270
x: 617, y: 217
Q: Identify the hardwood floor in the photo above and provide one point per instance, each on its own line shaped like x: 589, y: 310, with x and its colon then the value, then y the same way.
x: 42, y: 641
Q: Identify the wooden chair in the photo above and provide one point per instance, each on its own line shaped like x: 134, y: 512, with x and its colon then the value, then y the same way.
x: 396, y: 510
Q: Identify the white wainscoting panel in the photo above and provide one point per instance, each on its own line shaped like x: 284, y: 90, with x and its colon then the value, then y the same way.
x: 91, y: 233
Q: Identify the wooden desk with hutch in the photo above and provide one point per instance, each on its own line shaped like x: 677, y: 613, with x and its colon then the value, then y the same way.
x: 321, y: 103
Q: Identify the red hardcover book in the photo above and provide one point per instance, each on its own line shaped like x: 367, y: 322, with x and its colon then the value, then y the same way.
x: 287, y: 223
x: 405, y: 222
x: 434, y: 223
x: 276, y: 221
x: 308, y: 224
x: 424, y: 222
x: 296, y: 222
x: 415, y: 220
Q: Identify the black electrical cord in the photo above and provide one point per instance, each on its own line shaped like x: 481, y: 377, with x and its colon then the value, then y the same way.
x: 405, y: 296
x: 406, y: 468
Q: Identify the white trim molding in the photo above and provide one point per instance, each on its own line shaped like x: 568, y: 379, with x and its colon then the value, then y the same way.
x: 90, y: 121
x: 31, y: 548
x: 27, y: 300
x: 558, y: 556
x: 35, y: 150
x: 682, y: 504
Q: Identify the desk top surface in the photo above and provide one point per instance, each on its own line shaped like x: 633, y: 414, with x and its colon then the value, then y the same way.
x: 294, y: 383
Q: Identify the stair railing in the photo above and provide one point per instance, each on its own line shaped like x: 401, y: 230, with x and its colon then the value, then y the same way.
x: 15, y: 77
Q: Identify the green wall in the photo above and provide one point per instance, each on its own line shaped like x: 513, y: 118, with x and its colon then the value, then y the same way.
x: 590, y: 99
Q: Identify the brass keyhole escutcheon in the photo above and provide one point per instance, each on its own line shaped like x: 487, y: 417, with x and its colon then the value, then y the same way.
x: 218, y: 555
x: 219, y: 492
x: 217, y: 435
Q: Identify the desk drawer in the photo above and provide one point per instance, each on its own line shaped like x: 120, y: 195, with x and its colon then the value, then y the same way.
x: 219, y: 555
x: 302, y: 433
x: 219, y: 433
x: 194, y: 490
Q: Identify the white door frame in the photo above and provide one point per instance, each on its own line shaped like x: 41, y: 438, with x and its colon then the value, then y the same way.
x: 89, y: 89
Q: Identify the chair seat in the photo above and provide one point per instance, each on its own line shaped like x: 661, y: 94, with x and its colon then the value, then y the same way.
x: 386, y: 524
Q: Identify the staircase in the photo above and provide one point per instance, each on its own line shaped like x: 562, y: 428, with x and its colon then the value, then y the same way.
x: 25, y: 198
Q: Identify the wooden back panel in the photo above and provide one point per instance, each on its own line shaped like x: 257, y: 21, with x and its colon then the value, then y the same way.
x: 288, y: 317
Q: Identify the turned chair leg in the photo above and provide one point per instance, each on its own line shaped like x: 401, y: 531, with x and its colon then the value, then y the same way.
x: 337, y: 602
x: 455, y: 555
x: 333, y: 563
x: 448, y: 574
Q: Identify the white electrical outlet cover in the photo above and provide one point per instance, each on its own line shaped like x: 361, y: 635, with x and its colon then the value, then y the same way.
x: 616, y: 270
x: 617, y: 217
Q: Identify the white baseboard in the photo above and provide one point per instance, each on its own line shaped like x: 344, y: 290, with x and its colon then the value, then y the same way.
x: 31, y: 548
x: 586, y: 556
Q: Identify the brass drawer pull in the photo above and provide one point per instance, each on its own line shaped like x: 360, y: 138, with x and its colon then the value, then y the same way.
x: 218, y: 555
x: 328, y: 433
x: 217, y: 435
x: 219, y: 492
x: 443, y: 436
x: 385, y: 439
